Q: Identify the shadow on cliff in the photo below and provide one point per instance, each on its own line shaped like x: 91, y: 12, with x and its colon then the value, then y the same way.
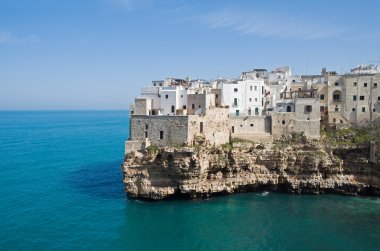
x: 102, y: 180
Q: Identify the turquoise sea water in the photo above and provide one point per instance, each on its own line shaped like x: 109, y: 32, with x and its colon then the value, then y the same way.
x: 61, y: 189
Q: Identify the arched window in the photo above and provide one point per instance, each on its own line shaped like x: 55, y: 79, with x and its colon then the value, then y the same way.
x: 337, y: 96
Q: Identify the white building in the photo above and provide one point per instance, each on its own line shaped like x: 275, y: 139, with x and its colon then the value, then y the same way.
x: 173, y: 98
x: 245, y: 97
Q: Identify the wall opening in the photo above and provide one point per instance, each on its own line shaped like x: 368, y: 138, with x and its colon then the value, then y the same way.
x: 235, y: 101
x: 337, y: 95
x: 233, y: 129
x: 288, y: 108
x: 201, y: 127
x: 308, y: 108
x: 161, y: 134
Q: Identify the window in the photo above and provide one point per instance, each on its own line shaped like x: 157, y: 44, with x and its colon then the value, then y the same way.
x: 288, y: 108
x: 173, y: 108
x: 322, y: 109
x: 201, y: 127
x: 249, y: 112
x: 341, y: 121
x: 255, y: 88
x: 363, y: 109
x: 361, y: 97
x: 154, y: 84
x: 233, y: 129
x: 336, y: 96
x: 355, y: 83
x: 262, y: 90
x: 250, y: 88
x: 160, y: 84
x: 365, y: 84
x: 334, y: 120
x: 235, y: 89
x: 216, y: 95
x: 374, y: 110
x: 166, y: 96
x: 199, y: 106
x: 378, y: 98
x: 237, y: 112
x: 322, y: 97
x: 159, y: 95
x: 184, y: 107
x: 146, y: 135
x: 161, y: 134
x: 235, y: 101
x: 192, y: 106
x: 336, y: 109
x: 146, y: 127
x: 250, y: 99
x: 181, y: 96
x: 336, y: 84
x: 354, y: 98
x: 251, y: 125
x: 353, y: 109
x: 283, y: 122
x: 255, y: 99
x: 374, y: 84
x: 308, y: 109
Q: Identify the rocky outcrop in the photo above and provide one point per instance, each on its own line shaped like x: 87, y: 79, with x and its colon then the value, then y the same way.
x: 285, y: 167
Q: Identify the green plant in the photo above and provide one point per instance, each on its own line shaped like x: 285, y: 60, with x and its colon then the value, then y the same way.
x: 153, y: 149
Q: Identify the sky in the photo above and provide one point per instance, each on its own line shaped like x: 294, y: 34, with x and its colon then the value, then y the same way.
x: 97, y: 54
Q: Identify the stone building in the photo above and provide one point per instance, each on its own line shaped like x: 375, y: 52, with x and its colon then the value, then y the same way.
x: 296, y: 112
x: 353, y: 99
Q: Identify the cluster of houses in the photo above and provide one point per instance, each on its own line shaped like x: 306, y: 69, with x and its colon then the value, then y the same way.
x: 259, y: 105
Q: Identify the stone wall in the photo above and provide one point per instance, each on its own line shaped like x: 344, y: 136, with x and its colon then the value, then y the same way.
x: 282, y: 124
x: 250, y: 127
x: 213, y: 126
x: 305, y: 118
x: 174, y: 129
x: 131, y: 146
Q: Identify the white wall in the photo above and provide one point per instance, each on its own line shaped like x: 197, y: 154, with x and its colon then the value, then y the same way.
x: 249, y: 95
x: 168, y: 99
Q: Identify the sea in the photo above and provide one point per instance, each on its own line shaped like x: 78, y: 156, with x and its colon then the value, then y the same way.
x: 61, y: 189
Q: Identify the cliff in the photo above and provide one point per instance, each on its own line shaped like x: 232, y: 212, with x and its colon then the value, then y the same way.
x: 294, y: 166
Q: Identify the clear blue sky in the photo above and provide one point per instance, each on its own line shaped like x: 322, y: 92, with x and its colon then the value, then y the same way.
x: 96, y: 54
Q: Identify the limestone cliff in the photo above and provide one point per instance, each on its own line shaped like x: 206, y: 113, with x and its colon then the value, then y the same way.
x: 294, y: 167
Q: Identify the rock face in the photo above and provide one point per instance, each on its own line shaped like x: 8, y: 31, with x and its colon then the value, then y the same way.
x: 295, y: 168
